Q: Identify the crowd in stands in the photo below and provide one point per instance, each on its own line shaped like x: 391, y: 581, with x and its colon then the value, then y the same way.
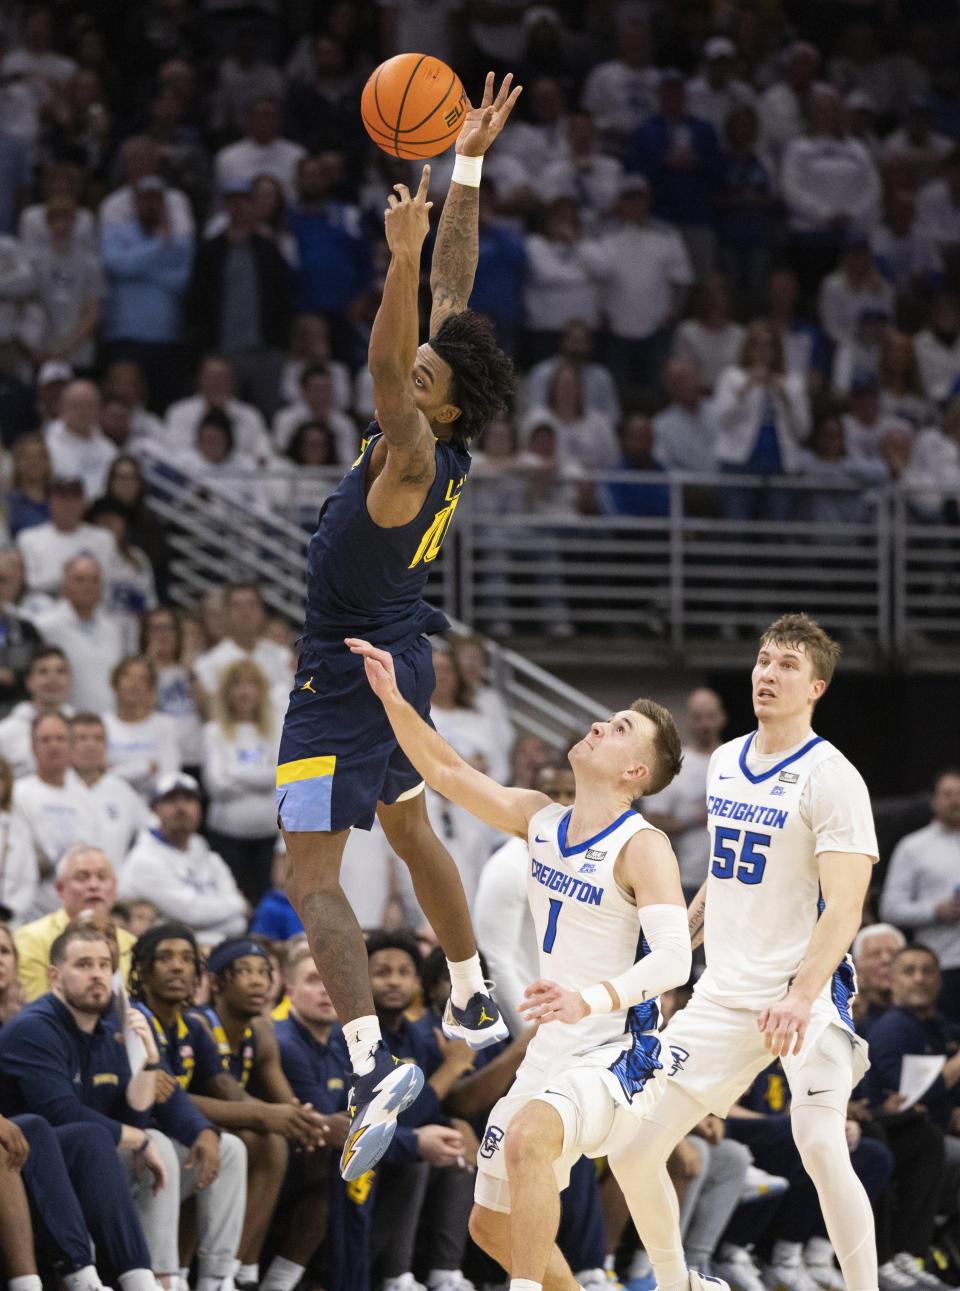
x: 721, y: 239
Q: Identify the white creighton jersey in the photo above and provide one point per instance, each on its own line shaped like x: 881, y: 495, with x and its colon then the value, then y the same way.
x: 588, y: 931
x: 769, y: 818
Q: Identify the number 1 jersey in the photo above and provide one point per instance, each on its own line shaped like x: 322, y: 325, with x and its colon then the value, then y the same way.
x: 588, y: 931
x: 769, y: 818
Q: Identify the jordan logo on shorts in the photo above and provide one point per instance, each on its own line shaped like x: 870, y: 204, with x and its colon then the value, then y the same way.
x: 308, y: 685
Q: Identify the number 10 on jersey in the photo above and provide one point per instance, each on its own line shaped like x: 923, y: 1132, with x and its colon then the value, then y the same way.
x: 737, y: 854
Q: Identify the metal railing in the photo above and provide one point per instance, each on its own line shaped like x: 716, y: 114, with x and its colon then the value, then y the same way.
x: 686, y: 585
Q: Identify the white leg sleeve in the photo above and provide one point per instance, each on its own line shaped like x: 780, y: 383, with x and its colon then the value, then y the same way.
x: 821, y: 1142
x: 641, y: 1170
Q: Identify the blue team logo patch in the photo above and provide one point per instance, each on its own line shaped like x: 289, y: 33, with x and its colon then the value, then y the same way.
x: 492, y: 1139
x: 679, y: 1056
x: 586, y: 868
x: 777, y: 790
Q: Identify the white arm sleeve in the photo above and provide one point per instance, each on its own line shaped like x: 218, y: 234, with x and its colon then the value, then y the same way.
x: 667, y: 965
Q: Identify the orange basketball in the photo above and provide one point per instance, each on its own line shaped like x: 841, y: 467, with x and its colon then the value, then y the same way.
x: 413, y: 106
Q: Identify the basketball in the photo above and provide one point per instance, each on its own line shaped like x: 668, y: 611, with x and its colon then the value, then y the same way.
x: 413, y: 106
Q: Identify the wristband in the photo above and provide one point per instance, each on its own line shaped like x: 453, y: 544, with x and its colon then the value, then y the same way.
x: 151, y: 1066
x: 599, y: 998
x: 466, y: 171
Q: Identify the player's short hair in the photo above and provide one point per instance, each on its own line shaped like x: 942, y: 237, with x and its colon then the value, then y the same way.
x: 944, y: 773
x: 483, y: 377
x: 380, y: 939
x: 919, y: 948
x: 75, y: 932
x: 668, y: 758
x: 801, y: 630
x: 87, y: 719
x: 47, y: 652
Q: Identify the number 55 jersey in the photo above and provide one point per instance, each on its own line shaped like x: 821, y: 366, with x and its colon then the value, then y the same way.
x: 769, y: 818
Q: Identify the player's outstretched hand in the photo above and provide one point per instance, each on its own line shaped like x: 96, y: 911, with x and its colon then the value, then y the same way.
x: 784, y: 1024
x: 545, y: 1001
x: 482, y: 125
x: 407, y: 219
x: 378, y: 665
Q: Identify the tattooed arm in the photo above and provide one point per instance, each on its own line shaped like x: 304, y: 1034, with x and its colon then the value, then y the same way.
x: 455, y: 253
x: 696, y: 915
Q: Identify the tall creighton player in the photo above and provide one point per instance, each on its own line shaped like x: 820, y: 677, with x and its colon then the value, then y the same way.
x: 793, y: 843
x: 339, y: 763
x: 602, y: 885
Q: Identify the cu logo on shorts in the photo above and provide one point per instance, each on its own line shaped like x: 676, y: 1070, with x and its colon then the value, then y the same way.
x: 491, y: 1141
x: 679, y: 1056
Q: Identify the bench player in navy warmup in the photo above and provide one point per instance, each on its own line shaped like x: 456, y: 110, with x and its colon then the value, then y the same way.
x: 368, y: 562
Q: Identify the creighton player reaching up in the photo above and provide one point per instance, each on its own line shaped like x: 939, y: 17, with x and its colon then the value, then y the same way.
x: 792, y: 843
x: 604, y: 892
x: 367, y: 566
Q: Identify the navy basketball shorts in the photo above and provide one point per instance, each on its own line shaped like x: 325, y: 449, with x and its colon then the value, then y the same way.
x: 338, y: 754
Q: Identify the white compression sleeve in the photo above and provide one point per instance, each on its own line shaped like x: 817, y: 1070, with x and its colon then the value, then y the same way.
x: 668, y: 963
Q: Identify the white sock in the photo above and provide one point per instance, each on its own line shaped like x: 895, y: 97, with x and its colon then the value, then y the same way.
x: 210, y: 1283
x: 786, y: 1252
x: 362, y: 1036
x: 185, y: 1277
x: 85, y: 1279
x: 524, y: 1284
x: 29, y: 1282
x: 818, y: 1251
x: 282, y: 1275
x: 466, y: 979
x: 138, y: 1280
x: 609, y: 1263
x: 438, y: 1276
x: 247, y: 1273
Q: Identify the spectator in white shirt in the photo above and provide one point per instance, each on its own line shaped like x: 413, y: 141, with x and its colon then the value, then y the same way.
x: 242, y: 78
x: 124, y: 813
x: 70, y: 288
x: 55, y: 806
x: 938, y: 206
x: 916, y: 144
x: 131, y: 586
x: 683, y: 433
x: 261, y: 151
x: 48, y: 683
x: 245, y: 639
x: 215, y: 390
x: 938, y: 349
x: 539, y: 141
x: 584, y: 173
x: 78, y: 447
x: 576, y: 349
x: 59, y: 179
x: 586, y: 438
x: 240, y: 749
x: 680, y: 810
x: 709, y: 339
x: 140, y: 158
x: 470, y: 653
x: 47, y: 547
x: 855, y: 286
x: 714, y: 94
x: 310, y: 344
x: 501, y: 912
x: 176, y: 868
x: 316, y: 404
x: 124, y: 380
x: 18, y: 861
x: 560, y: 284
x: 161, y: 641
x: 762, y: 416
x: 906, y: 255
x: 46, y: 72
x: 902, y: 391
x: 865, y: 423
x: 783, y: 107
x: 830, y: 183
x: 90, y: 638
x: 620, y: 94
x: 645, y: 270
x: 141, y: 742
x: 921, y: 888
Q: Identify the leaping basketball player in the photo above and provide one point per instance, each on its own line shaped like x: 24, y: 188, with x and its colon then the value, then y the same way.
x: 367, y: 566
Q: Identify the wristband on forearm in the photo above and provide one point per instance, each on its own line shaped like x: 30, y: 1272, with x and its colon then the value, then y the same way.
x: 466, y: 171
x: 601, y: 998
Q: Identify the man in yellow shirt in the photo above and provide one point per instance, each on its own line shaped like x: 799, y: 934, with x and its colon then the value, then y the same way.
x: 84, y: 881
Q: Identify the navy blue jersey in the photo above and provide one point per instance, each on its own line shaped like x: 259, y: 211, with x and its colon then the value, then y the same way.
x: 367, y: 581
